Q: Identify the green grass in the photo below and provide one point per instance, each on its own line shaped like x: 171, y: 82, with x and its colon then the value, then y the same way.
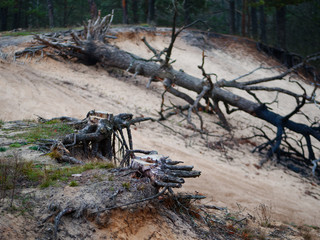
x: 39, y: 174
x: 51, y: 129
x: 73, y: 183
x: 111, y: 178
x: 1, y: 123
x: 17, y: 145
x: 126, y: 185
x: 37, y: 31
x: 34, y: 148
x: 50, y: 176
x: 16, y: 34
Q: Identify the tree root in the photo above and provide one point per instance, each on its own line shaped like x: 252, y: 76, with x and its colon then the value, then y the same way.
x: 58, y: 219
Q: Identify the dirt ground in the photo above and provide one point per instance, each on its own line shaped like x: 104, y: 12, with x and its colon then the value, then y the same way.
x: 49, y: 88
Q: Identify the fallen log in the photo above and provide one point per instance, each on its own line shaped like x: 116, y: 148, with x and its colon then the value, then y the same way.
x: 91, y: 49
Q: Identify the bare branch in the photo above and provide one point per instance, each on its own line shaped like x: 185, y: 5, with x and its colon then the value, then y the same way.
x: 282, y: 75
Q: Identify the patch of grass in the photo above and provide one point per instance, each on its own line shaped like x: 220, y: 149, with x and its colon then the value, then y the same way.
x: 17, y: 145
x: 47, y: 130
x: 39, y: 174
x: 10, y: 169
x: 111, y: 177
x: 98, y: 177
x: 54, y: 121
x: 100, y: 165
x: 16, y: 34
x: 32, y: 172
x: 144, y: 25
x: 126, y: 185
x: 50, y: 176
x: 36, y: 31
x: 141, y: 187
x: 264, y: 214
x: 1, y: 123
x: 3, y: 149
x: 34, y: 148
x: 54, y: 154
x: 312, y: 226
x: 73, y: 183
x: 23, y: 203
x: 47, y: 183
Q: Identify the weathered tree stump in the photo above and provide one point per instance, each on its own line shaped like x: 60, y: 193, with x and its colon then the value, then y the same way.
x: 162, y: 171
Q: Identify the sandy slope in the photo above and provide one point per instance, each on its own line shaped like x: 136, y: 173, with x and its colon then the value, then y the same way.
x: 49, y: 88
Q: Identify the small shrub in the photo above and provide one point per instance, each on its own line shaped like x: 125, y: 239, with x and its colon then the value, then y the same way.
x: 98, y: 177
x: 106, y: 165
x: 264, y: 214
x: 73, y: 183
x: 3, y: 149
x: 35, y: 148
x: 47, y: 183
x: 15, y: 145
x: 54, y: 154
x: 126, y: 185
x: 111, y: 178
x: 10, y: 170
x: 32, y: 172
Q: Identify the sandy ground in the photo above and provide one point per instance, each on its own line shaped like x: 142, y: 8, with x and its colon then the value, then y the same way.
x: 49, y: 88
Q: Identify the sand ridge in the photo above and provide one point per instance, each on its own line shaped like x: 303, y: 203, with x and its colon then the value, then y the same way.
x: 50, y: 88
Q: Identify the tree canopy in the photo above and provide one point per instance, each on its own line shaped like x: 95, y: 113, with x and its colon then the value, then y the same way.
x: 273, y: 22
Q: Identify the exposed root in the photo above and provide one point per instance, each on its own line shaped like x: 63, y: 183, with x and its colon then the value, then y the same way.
x: 58, y: 219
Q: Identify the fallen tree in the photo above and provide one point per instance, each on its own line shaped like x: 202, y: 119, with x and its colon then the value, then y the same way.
x: 91, y: 46
x: 100, y: 135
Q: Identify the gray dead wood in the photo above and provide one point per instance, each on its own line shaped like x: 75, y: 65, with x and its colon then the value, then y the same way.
x: 91, y: 48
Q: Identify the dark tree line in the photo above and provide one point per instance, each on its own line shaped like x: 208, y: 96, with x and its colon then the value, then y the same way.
x: 289, y: 24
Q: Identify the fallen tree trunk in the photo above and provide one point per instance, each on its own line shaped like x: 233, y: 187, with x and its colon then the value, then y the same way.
x: 112, y: 56
x: 91, y: 50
